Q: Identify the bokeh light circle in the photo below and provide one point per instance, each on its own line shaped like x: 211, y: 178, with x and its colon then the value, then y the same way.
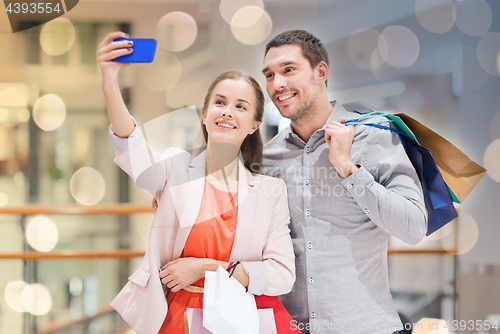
x: 4, y: 199
x: 488, y: 50
x: 176, y: 31
x: 12, y: 97
x: 360, y: 45
x: 43, y: 300
x: 49, y: 112
x: 228, y: 8
x: 57, y: 36
x: 463, y: 237
x: 87, y: 186
x: 8, y: 117
x: 4, y: 114
x: 398, y: 46
x: 163, y: 73
x: 437, y: 16
x: 442, y: 232
x: 41, y: 233
x: 251, y: 25
x: 474, y: 17
x: 492, y: 160
x: 19, y: 296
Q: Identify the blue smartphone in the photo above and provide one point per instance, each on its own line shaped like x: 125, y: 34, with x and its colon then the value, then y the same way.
x: 143, y: 50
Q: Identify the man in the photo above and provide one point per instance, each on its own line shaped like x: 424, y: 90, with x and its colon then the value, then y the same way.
x: 349, y: 188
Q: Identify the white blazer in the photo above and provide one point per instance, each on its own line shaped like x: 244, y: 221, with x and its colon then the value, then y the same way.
x: 262, y: 241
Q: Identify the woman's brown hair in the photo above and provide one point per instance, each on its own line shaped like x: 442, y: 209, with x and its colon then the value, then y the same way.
x: 252, y: 146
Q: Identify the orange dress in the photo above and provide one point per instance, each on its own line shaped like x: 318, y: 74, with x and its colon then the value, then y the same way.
x: 211, y: 236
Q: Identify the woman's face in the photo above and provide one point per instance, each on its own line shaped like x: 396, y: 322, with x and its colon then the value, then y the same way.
x: 230, y: 115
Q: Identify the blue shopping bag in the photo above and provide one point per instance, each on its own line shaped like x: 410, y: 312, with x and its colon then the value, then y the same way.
x: 437, y: 197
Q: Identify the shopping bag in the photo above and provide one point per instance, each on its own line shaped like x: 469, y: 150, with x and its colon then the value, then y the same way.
x: 437, y: 195
x: 282, y: 319
x: 267, y: 324
x: 227, y: 307
x: 186, y: 323
x: 194, y: 323
x: 460, y: 173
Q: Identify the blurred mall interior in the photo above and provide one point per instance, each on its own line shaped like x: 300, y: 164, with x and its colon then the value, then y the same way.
x: 68, y: 242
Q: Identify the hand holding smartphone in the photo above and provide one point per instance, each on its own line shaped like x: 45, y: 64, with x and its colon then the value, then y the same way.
x: 143, y: 50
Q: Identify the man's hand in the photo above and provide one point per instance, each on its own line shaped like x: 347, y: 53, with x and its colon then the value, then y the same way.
x: 339, y: 137
x: 182, y: 272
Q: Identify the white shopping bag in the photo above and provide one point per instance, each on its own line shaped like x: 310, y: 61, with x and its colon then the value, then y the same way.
x: 227, y: 307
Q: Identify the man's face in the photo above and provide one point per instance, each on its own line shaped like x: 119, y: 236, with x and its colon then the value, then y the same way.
x: 291, y: 82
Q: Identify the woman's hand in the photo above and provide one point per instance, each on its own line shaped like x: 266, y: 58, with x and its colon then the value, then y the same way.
x: 182, y: 272
x: 108, y: 50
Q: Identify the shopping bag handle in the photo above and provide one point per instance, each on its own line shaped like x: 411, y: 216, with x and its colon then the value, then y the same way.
x: 232, y: 267
x: 402, y: 135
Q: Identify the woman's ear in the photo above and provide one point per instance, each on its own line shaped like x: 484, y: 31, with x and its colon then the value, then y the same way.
x: 204, y: 116
x: 254, y: 128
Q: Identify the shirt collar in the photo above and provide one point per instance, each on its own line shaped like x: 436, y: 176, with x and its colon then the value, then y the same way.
x: 338, y: 109
x: 334, y: 115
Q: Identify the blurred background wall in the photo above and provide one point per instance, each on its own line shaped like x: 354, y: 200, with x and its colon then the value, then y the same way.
x: 436, y: 60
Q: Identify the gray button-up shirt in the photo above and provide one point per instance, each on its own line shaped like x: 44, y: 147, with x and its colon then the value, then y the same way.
x: 340, y: 227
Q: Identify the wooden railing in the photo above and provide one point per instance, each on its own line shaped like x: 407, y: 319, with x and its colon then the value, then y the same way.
x: 114, y: 209
x: 74, y: 209
x: 125, y: 254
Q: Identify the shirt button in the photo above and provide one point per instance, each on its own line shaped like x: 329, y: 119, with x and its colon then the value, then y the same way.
x: 306, y: 182
x: 308, y: 213
x: 311, y: 280
x: 313, y: 315
x: 308, y: 149
x: 349, y: 185
x: 367, y: 211
x: 309, y: 246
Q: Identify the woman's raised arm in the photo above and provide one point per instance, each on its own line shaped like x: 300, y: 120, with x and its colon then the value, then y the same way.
x: 119, y: 116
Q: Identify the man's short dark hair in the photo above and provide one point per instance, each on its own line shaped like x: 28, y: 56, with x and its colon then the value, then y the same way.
x: 312, y: 48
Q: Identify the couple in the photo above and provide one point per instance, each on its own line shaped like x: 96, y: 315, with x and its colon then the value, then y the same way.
x: 327, y: 225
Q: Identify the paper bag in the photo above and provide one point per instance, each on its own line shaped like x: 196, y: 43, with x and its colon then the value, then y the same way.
x: 437, y: 195
x: 460, y: 173
x: 227, y: 307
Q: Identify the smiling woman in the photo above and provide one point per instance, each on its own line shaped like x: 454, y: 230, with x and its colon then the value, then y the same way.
x: 207, y: 202
x: 231, y: 99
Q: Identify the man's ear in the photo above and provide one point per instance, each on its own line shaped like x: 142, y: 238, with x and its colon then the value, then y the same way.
x: 322, y: 69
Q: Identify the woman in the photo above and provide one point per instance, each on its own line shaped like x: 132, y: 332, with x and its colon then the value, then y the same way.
x: 211, y: 209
